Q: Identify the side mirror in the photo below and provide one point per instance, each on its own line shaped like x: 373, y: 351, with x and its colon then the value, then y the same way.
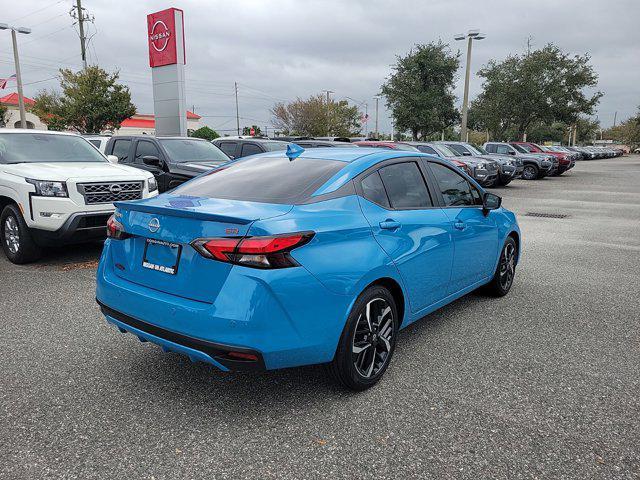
x: 151, y: 160
x: 112, y: 158
x: 490, y: 201
x: 511, y: 152
x: 466, y: 154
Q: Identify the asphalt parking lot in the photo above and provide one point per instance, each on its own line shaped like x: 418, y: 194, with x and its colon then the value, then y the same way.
x: 544, y: 383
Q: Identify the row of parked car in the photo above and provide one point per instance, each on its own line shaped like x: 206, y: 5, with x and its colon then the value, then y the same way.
x: 57, y: 188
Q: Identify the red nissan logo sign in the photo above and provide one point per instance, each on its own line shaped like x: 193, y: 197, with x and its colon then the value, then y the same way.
x: 160, y: 35
x: 165, y: 31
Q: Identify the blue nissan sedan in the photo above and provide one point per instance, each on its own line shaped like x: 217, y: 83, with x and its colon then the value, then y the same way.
x: 303, y: 257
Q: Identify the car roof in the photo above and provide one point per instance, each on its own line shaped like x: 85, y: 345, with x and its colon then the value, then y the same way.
x: 31, y: 130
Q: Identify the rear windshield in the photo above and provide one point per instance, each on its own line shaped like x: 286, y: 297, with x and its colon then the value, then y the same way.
x: 46, y: 147
x: 275, y: 146
x: 263, y: 179
x: 186, y: 150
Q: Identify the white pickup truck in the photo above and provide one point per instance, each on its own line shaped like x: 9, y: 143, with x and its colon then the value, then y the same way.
x: 56, y: 189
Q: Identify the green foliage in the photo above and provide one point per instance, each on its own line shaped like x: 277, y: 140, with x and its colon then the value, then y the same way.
x: 419, y: 92
x: 627, y: 133
x: 256, y: 130
x: 91, y: 101
x: 540, y: 88
x: 3, y: 115
x: 205, y: 132
x: 314, y: 117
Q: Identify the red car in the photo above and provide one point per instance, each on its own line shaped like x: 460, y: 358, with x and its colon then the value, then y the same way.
x: 565, y: 162
x: 409, y: 148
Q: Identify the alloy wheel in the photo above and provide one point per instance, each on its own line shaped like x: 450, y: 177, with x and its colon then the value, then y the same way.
x: 507, y: 266
x: 529, y: 172
x: 373, y: 338
x: 12, y: 234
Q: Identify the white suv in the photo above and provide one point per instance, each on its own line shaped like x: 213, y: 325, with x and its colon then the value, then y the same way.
x: 56, y: 188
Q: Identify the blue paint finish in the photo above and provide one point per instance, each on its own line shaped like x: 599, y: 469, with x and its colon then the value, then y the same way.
x: 295, y: 316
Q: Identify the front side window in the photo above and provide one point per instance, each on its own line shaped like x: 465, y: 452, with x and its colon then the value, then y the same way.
x: 228, y: 147
x: 46, y: 147
x: 427, y: 149
x: 405, y: 186
x: 121, y: 149
x: 373, y: 190
x: 249, y: 149
x: 491, y: 148
x: 504, y: 149
x: 145, y: 148
x: 455, y: 189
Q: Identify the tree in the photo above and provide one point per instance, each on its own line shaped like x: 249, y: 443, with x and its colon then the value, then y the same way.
x: 314, y: 117
x: 419, y: 92
x: 541, y: 87
x: 627, y: 133
x: 3, y: 115
x: 91, y: 101
x: 256, y: 130
x: 205, y: 132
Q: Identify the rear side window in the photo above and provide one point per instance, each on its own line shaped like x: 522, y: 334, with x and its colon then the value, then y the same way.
x: 455, y: 189
x: 266, y: 180
x: 121, y: 150
x: 405, y: 186
x: 373, y: 190
x: 249, y: 149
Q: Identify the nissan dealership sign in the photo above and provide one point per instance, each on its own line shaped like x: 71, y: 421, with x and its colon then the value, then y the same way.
x: 164, y: 37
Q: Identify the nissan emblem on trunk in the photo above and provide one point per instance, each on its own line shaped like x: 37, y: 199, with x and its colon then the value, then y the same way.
x: 154, y: 225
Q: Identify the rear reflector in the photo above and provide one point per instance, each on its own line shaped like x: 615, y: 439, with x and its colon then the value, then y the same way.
x: 258, y: 252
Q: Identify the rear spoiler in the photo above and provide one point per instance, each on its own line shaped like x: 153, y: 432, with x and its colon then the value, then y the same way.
x: 181, y: 212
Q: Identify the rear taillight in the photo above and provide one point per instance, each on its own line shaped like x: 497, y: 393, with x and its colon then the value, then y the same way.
x: 115, y: 229
x: 257, y: 252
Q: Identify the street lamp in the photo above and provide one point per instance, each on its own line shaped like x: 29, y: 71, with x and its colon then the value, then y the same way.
x: 377, y: 97
x: 470, y: 36
x: 25, y: 30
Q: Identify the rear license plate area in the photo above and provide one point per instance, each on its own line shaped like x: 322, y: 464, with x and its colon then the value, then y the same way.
x: 161, y: 256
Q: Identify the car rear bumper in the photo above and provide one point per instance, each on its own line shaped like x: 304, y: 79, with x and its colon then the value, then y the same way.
x: 285, y: 317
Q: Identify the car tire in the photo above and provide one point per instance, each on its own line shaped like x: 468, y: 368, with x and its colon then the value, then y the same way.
x: 530, y: 172
x: 503, y: 277
x: 368, y: 340
x: 16, y: 239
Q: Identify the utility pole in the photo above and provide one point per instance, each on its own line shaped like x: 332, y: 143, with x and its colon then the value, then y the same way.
x: 79, y: 15
x: 328, y: 92
x: 16, y: 60
x: 237, y: 110
x: 377, y: 98
x: 615, y: 119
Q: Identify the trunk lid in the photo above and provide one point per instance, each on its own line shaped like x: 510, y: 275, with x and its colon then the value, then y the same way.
x: 158, y: 254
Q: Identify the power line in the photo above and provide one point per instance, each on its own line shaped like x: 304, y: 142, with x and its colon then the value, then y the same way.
x: 36, y: 11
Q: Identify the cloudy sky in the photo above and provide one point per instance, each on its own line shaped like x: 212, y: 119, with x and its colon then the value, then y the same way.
x: 278, y: 50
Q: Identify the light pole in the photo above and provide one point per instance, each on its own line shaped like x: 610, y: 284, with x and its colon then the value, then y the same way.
x: 470, y: 36
x: 4, y: 26
x: 377, y: 97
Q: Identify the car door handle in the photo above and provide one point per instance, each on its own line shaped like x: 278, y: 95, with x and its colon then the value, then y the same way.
x: 389, y: 225
x: 459, y: 225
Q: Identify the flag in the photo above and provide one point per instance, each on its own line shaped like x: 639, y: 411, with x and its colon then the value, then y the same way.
x: 4, y: 81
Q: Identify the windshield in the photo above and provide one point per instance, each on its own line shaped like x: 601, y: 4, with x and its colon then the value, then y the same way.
x: 444, y: 150
x: 477, y: 150
x: 263, y: 179
x: 521, y: 148
x: 46, y: 147
x: 185, y: 150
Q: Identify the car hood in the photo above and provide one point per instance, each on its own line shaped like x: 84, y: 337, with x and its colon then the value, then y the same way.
x: 197, y: 167
x: 474, y: 160
x: 63, y: 171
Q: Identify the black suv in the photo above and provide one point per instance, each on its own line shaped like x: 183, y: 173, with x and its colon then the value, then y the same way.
x: 237, y: 147
x: 172, y: 160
